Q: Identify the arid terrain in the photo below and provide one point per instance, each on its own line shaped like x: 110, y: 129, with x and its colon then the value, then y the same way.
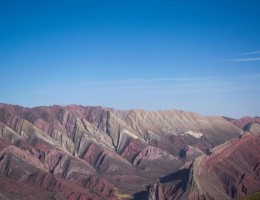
x: 84, y: 152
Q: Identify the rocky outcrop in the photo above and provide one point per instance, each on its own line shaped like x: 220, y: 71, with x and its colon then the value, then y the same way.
x: 231, y: 170
x: 244, y: 122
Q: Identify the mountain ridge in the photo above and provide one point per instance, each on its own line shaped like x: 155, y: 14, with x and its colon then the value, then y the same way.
x: 122, y: 151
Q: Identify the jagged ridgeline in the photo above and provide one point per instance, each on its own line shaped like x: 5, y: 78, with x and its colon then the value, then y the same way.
x: 78, y: 152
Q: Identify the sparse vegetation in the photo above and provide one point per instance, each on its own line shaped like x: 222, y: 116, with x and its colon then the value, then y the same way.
x: 122, y: 195
x: 255, y: 196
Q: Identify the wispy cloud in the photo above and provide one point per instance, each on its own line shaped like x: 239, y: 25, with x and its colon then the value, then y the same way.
x: 249, y: 53
x: 121, y: 82
x: 237, y: 60
x: 157, y: 85
x: 243, y: 57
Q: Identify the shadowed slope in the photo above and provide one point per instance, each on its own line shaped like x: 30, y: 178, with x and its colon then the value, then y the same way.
x: 231, y: 170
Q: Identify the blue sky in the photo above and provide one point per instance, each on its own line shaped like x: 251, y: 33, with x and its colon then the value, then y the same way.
x: 201, y: 56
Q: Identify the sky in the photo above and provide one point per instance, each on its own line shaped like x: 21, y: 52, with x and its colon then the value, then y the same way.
x: 199, y: 56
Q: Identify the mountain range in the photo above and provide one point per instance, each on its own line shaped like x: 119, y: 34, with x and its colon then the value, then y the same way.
x: 84, y: 152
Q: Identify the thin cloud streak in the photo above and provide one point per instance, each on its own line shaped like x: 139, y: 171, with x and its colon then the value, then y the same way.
x: 129, y: 81
x: 167, y: 85
x: 134, y: 82
x: 237, y: 60
x: 250, y: 53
